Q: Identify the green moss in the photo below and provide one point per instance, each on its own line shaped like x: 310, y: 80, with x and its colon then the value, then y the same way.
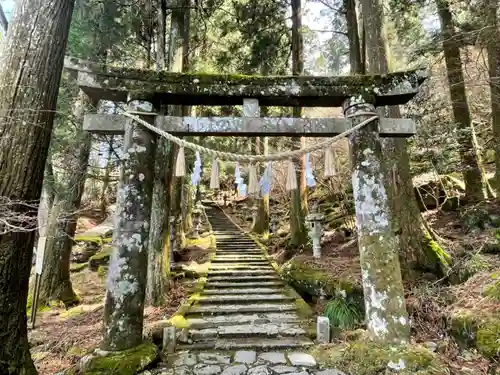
x: 127, y: 362
x: 315, y: 282
x: 367, y: 358
x: 102, y: 271
x: 463, y: 328
x: 203, y: 242
x: 437, y: 258
x: 488, y: 338
x: 471, y: 329
x: 100, y: 258
x: 77, y: 267
x: 493, y: 290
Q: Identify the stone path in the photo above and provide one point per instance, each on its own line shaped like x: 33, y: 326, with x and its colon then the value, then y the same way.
x: 244, y: 304
x: 246, y: 321
x: 244, y: 362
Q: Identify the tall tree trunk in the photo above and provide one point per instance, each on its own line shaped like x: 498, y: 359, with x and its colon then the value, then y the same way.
x: 298, y: 207
x: 106, y: 178
x: 31, y: 59
x: 461, y: 114
x: 55, y: 282
x: 166, y: 199
x: 161, y: 34
x: 355, y: 59
x: 493, y: 49
x: 416, y: 251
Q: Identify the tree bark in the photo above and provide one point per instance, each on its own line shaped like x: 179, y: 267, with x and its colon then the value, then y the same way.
x: 55, y: 281
x: 126, y: 283
x: 461, y: 114
x: 415, y: 251
x: 298, y: 207
x: 493, y: 50
x: 30, y: 76
x: 161, y: 34
x: 355, y: 59
x: 106, y: 178
x: 166, y: 200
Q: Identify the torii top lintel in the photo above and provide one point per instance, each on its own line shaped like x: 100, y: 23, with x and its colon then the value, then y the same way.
x: 104, y: 82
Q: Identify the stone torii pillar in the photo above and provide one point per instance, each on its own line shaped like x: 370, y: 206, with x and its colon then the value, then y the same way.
x: 126, y: 283
x: 386, y: 314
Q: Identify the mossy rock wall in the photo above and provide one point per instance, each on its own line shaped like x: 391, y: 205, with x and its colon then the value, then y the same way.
x: 307, y: 280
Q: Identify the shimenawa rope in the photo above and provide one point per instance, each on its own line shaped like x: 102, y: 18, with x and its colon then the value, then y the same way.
x: 228, y: 156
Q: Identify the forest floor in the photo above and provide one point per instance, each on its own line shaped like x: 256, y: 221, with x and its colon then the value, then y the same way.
x: 431, y: 302
x: 62, y: 336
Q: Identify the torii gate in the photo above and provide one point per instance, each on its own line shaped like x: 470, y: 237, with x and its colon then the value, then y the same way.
x: 148, y: 92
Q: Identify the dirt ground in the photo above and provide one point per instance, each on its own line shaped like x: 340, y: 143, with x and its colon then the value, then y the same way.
x: 61, y: 337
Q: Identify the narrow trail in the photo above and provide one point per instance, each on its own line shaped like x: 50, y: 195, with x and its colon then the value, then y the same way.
x: 246, y: 321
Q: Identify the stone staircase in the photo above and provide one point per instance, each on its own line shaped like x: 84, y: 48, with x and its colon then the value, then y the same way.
x: 244, y: 304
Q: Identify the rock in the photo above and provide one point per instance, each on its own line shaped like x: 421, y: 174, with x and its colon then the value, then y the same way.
x: 185, y: 359
x: 280, y: 369
x: 259, y: 370
x: 82, y: 252
x: 323, y: 330
x: 214, y: 358
x: 299, y: 373
x: 235, y: 370
x: 245, y: 356
x: 127, y: 362
x: 203, y: 369
x: 273, y: 357
x: 100, y: 259
x: 330, y: 372
x: 183, y: 370
x: 302, y: 359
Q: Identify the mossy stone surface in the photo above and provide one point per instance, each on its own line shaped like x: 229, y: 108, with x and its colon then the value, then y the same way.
x: 315, y: 282
x: 127, y: 362
x: 482, y: 332
x: 365, y: 357
x: 100, y: 258
x: 116, y: 83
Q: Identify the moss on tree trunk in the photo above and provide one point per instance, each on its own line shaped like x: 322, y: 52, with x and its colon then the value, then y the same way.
x: 386, y: 315
x: 30, y: 75
x: 126, y: 284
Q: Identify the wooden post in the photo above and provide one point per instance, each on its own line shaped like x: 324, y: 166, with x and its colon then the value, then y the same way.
x: 380, y: 270
x: 126, y: 284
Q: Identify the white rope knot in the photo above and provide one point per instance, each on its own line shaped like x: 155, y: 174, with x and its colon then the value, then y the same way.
x: 229, y: 156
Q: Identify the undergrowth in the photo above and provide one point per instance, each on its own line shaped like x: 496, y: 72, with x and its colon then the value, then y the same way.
x: 343, y: 313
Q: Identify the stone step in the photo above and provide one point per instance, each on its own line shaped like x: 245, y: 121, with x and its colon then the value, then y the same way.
x: 243, y: 279
x: 255, y: 252
x: 225, y: 320
x: 223, y: 309
x: 257, y: 343
x: 244, y: 299
x: 251, y: 284
x: 242, y: 273
x: 245, y: 291
x: 232, y: 259
x: 240, y: 266
x: 248, y: 330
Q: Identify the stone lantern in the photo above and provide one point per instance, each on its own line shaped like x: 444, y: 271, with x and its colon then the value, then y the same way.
x: 196, y: 214
x: 315, y: 223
